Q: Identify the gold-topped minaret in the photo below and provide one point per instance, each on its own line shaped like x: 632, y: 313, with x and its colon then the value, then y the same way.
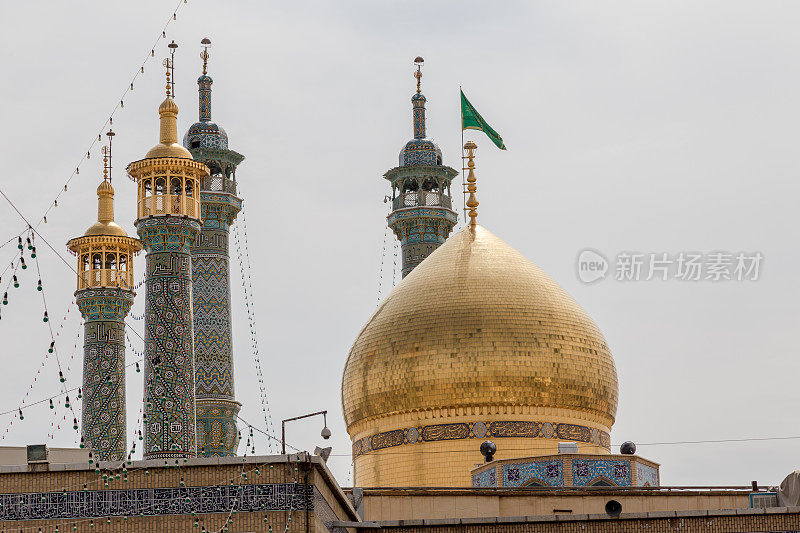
x: 168, y: 222
x: 105, y: 252
x: 104, y: 296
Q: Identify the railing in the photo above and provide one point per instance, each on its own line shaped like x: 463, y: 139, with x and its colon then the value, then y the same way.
x: 218, y: 184
x: 169, y: 204
x: 105, y: 277
x: 421, y: 198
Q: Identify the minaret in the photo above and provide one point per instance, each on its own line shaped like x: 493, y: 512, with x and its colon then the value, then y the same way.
x: 168, y: 223
x: 421, y: 215
x: 217, y: 407
x: 104, y: 297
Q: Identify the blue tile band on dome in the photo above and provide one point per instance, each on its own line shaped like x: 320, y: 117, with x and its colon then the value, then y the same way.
x: 481, y: 430
x: 103, y: 422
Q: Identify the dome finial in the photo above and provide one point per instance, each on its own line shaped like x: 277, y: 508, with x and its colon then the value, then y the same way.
x: 418, y: 61
x: 107, y: 156
x: 206, y: 42
x: 170, y: 64
x: 418, y: 102
x: 472, y: 201
x: 105, y: 192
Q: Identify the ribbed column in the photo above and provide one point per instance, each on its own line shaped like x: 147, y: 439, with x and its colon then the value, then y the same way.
x: 103, y: 414
x: 217, y: 434
x: 169, y: 425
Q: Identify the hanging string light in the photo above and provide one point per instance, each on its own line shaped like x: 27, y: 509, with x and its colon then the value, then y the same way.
x: 139, y: 71
x: 243, y: 255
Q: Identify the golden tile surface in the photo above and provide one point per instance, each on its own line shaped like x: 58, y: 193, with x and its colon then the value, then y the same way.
x: 477, y: 325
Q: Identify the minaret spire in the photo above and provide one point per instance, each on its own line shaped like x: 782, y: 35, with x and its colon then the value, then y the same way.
x: 168, y: 111
x: 216, y: 405
x: 105, y: 193
x: 204, y: 84
x: 421, y: 214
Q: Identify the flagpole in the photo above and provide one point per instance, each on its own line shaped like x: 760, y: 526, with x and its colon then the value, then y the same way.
x: 463, y: 183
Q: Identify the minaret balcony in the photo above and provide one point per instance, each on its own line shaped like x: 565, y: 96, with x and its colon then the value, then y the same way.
x: 421, y: 198
x: 217, y: 183
x: 106, y: 278
x: 169, y: 204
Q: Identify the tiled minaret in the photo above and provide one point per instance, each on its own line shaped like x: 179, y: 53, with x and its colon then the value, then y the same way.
x: 168, y: 223
x: 217, y: 407
x: 104, y: 297
x: 421, y: 215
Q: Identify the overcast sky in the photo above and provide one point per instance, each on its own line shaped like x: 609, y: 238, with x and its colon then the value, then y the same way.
x: 630, y: 126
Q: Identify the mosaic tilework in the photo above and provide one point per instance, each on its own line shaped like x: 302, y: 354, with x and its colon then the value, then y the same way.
x: 169, y: 426
x: 104, y: 303
x: 646, y: 475
x: 418, y: 103
x: 103, y: 414
x: 550, y: 473
x: 420, y: 152
x: 212, y: 325
x: 206, y: 135
x: 204, y: 83
x: 420, y: 231
x: 217, y: 409
x: 168, y: 234
x: 590, y: 471
x: 153, y: 502
x: 487, y: 478
x: 481, y: 430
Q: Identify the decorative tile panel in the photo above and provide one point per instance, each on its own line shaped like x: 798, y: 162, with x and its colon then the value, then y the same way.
x: 589, y: 471
x: 550, y: 473
x: 646, y: 475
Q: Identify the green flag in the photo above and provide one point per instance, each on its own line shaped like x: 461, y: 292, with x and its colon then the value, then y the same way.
x: 472, y: 120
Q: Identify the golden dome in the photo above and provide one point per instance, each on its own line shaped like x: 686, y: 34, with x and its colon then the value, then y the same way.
x: 478, y: 325
x: 168, y: 136
x: 105, y: 228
